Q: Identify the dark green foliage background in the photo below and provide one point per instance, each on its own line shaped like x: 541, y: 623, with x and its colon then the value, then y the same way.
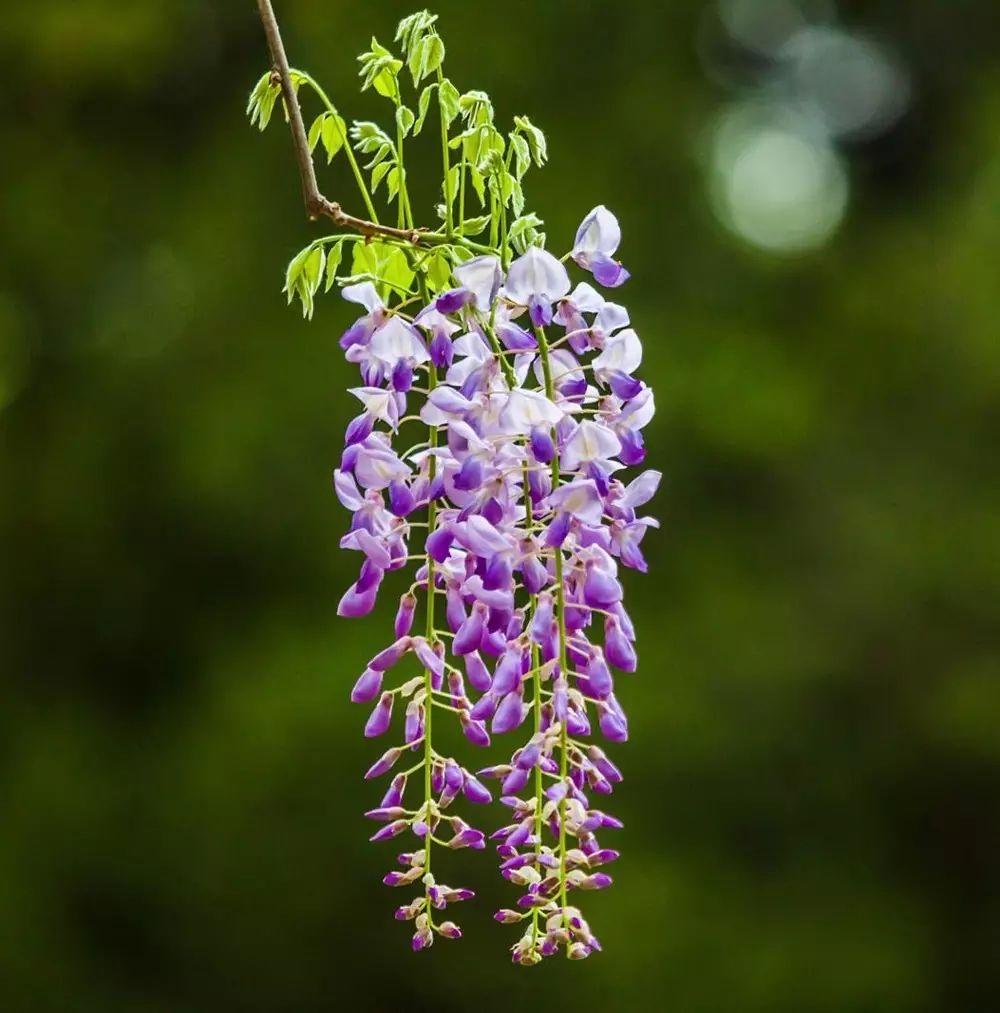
x: 811, y: 794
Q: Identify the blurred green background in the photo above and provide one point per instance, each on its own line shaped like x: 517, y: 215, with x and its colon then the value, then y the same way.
x: 811, y: 794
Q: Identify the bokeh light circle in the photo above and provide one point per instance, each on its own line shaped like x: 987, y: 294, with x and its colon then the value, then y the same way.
x: 777, y: 184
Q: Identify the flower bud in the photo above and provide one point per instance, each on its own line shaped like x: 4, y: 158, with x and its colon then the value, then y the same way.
x: 367, y: 687
x: 404, y: 615
x: 381, y: 716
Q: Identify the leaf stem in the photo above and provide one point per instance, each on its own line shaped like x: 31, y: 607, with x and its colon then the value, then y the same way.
x: 338, y: 122
x: 449, y: 221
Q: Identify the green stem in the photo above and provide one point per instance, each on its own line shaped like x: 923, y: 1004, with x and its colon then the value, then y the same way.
x: 494, y: 218
x: 355, y: 168
x: 448, y: 219
x: 504, y: 250
x: 461, y: 191
x: 402, y: 199
x: 504, y: 245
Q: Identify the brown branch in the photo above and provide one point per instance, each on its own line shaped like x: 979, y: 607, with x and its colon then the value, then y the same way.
x: 316, y: 204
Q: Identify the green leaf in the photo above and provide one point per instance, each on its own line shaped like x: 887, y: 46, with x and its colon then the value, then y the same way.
x: 413, y: 28
x: 449, y: 99
x: 439, y: 272
x: 378, y: 50
x: 384, y: 81
x: 422, y: 106
x: 414, y: 62
x: 379, y: 68
x: 333, y: 257
x: 379, y: 173
x: 266, y: 106
x: 364, y: 260
x: 522, y: 154
x: 523, y: 224
x: 476, y: 107
x: 395, y: 269
x: 404, y: 119
x: 383, y: 263
x: 302, y: 279
x: 312, y: 268
x: 524, y: 233
x: 383, y: 154
x: 535, y: 138
x: 453, y: 183
x: 260, y: 105
x: 392, y: 181
x: 473, y: 226
x: 478, y: 184
x: 405, y: 28
x: 255, y: 94
x: 368, y: 138
x: 516, y: 196
x: 528, y: 238
x: 433, y: 53
x: 333, y: 132
x: 294, y: 269
x: 314, y: 131
x: 492, y: 163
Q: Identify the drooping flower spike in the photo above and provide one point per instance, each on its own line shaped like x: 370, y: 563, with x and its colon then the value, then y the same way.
x: 507, y: 509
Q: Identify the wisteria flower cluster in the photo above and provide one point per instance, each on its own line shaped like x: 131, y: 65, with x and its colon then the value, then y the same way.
x: 498, y: 408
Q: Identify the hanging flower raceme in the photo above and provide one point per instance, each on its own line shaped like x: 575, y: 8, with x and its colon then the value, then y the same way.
x: 500, y: 406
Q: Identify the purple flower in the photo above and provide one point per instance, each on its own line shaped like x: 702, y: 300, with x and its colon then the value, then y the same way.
x: 378, y: 723
x: 526, y: 410
x: 536, y: 280
x: 480, y: 278
x: 511, y: 513
x: 360, y: 332
x: 367, y: 687
x: 597, y: 240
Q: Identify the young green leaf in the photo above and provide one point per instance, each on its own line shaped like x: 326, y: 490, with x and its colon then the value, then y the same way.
x: 393, y: 181
x: 404, y: 119
x: 473, y: 226
x: 522, y: 154
x: 476, y: 107
x: 294, y: 270
x: 414, y: 63
x: 413, y: 27
x: 379, y: 173
x: 449, y: 99
x: 384, y: 81
x: 333, y: 132
x: 422, y: 106
x: 395, y: 270
x: 478, y: 183
x: 454, y: 178
x: 535, y: 138
x: 439, y: 271
x: 255, y: 94
x: 315, y: 130
x: 432, y: 51
x: 516, y: 197
x: 333, y: 257
x: 364, y: 259
x: 266, y: 106
x: 312, y: 268
x: 523, y: 224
